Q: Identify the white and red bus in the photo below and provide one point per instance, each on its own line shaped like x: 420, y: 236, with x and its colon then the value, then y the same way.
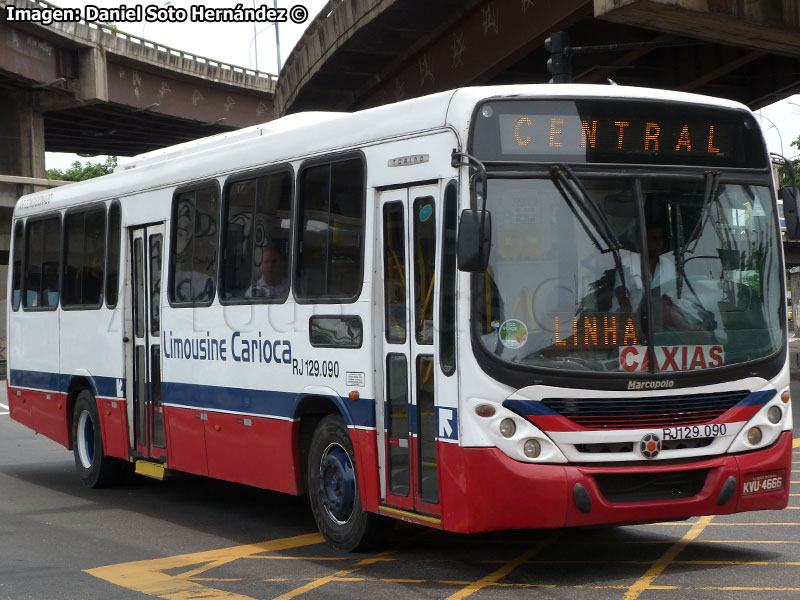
x: 490, y: 308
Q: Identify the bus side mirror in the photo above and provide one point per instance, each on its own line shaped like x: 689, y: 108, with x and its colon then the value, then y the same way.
x: 787, y: 194
x: 474, y: 244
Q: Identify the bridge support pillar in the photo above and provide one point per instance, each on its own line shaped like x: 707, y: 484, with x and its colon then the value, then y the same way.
x: 21, y: 154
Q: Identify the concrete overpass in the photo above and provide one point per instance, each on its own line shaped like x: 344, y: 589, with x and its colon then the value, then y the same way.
x: 89, y: 89
x: 86, y: 88
x: 360, y: 53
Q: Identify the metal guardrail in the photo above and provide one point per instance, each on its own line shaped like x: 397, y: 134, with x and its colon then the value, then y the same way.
x: 118, y: 42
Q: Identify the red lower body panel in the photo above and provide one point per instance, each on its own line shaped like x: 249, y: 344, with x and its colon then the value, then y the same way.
x: 186, y: 440
x: 44, y: 412
x: 255, y: 451
x: 484, y: 490
x: 114, y: 427
x: 250, y: 450
x: 366, y: 447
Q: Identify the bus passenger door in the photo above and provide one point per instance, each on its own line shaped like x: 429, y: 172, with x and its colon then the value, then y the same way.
x: 408, y: 234
x: 147, y: 246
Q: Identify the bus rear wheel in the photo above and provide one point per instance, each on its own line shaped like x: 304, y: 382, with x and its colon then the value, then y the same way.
x: 335, y: 496
x: 94, y: 468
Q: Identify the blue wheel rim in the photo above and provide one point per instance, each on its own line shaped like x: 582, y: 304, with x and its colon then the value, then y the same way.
x: 337, y: 483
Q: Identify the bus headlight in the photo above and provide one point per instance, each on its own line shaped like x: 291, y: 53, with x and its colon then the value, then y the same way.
x: 774, y: 414
x: 507, y: 428
x: 754, y: 436
x: 532, y: 448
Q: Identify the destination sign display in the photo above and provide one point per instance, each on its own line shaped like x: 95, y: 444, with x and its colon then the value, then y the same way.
x: 616, y: 131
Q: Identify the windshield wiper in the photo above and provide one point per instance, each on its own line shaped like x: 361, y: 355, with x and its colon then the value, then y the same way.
x: 581, y: 203
x: 712, y: 185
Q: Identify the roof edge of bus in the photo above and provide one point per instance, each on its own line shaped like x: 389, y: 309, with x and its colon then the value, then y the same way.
x: 449, y: 108
x: 222, y: 139
x: 311, y: 118
x: 594, y: 90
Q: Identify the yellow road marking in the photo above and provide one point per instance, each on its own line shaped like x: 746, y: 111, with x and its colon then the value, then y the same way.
x: 753, y: 524
x: 319, y: 582
x: 505, y: 569
x: 750, y: 589
x: 308, y: 558
x: 658, y: 567
x: 719, y: 563
x: 149, y: 576
x: 749, y: 542
x: 756, y: 563
x: 796, y: 443
x: 547, y: 586
x: 731, y: 524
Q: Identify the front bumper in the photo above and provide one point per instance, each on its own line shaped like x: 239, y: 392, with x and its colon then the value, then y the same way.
x: 498, y: 492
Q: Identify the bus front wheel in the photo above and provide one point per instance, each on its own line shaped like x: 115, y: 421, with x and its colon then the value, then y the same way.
x: 333, y: 488
x: 94, y: 468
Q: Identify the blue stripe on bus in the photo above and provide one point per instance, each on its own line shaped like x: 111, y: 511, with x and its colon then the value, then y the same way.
x: 59, y: 382
x: 445, y: 421
x: 758, y: 398
x: 50, y: 382
x: 266, y: 403
x: 528, y: 408
x: 263, y: 403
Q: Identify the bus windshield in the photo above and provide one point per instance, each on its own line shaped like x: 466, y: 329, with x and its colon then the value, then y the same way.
x: 627, y: 275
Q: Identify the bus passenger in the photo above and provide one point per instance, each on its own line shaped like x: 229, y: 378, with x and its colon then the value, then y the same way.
x: 272, y: 277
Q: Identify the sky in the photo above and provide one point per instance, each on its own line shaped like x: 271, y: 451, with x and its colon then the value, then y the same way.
x: 234, y: 43
x: 237, y: 43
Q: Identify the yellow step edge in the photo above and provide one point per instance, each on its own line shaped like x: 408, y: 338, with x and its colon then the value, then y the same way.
x: 409, y: 515
x: 151, y: 469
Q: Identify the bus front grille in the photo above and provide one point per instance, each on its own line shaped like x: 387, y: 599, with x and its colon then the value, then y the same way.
x: 644, y: 412
x: 626, y: 447
x: 650, y: 487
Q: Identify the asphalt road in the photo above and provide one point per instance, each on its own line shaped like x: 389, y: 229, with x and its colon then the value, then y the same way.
x: 190, y: 537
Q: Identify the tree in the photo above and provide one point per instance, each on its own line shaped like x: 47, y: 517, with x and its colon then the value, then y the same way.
x: 795, y: 163
x: 79, y: 172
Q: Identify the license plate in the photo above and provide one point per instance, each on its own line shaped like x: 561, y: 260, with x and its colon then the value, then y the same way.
x: 760, y: 483
x: 693, y: 432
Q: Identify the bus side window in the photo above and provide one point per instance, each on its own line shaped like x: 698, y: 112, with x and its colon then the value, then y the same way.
x: 43, y: 249
x: 424, y: 267
x: 237, y: 257
x: 84, y: 258
x: 331, y: 236
x: 447, y: 299
x: 113, y: 253
x: 16, y: 268
x: 258, y: 221
x: 193, y: 252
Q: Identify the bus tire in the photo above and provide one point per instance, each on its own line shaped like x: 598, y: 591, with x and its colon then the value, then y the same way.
x: 334, y: 493
x: 94, y: 468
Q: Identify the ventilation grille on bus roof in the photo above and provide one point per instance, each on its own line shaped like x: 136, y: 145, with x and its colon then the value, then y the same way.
x: 649, y: 411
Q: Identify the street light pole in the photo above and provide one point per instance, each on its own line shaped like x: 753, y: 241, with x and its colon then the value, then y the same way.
x: 162, y: 5
x: 277, y: 39
x: 255, y: 37
x: 775, y: 127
